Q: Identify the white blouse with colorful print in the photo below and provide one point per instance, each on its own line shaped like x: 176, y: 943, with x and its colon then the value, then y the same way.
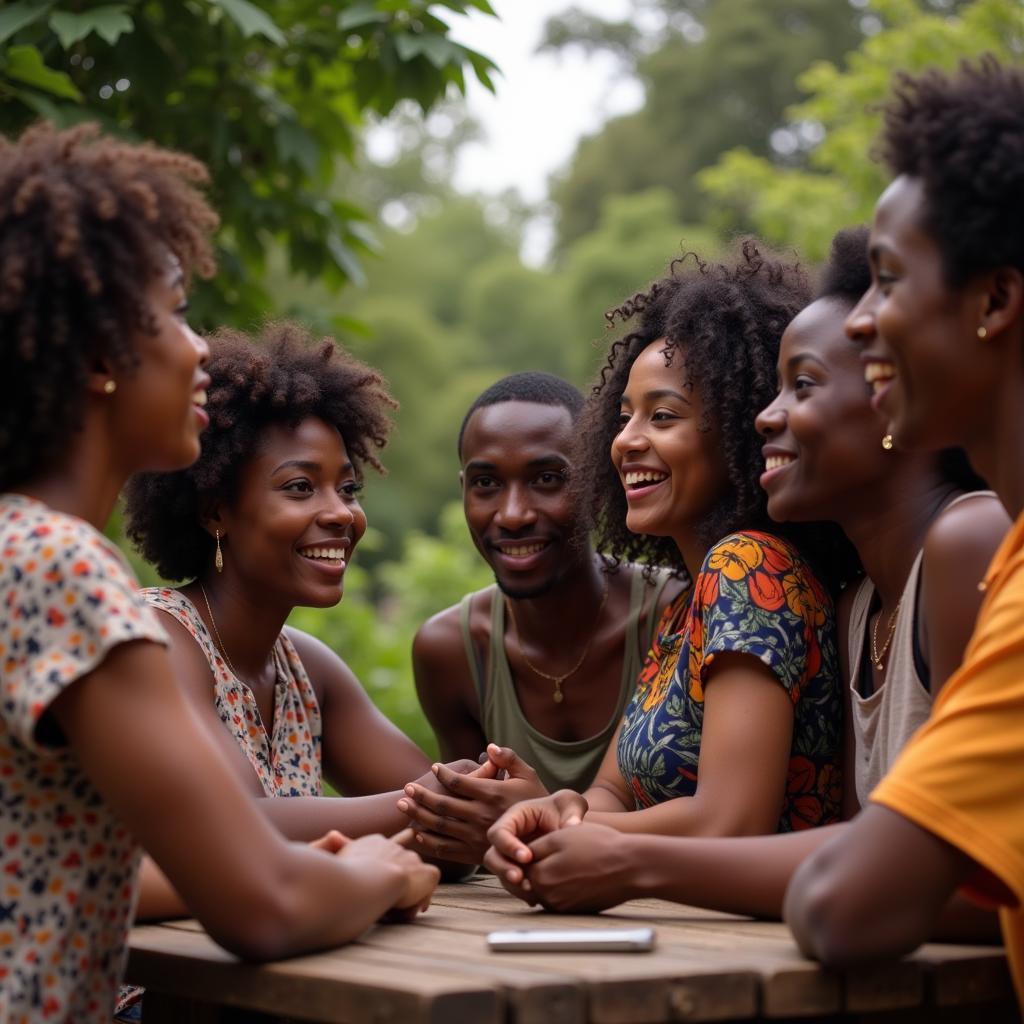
x: 67, y: 864
x: 285, y: 758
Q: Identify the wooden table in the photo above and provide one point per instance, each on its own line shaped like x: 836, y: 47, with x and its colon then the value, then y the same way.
x: 707, y: 966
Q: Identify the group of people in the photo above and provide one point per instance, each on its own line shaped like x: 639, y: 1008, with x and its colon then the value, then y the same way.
x: 755, y: 636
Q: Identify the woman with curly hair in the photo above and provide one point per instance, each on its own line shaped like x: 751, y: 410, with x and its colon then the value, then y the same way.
x: 267, y: 520
x: 917, y: 520
x: 942, y: 331
x: 99, y: 749
x: 734, y: 726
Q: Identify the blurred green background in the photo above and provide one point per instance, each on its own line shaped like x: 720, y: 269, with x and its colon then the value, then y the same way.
x: 757, y: 117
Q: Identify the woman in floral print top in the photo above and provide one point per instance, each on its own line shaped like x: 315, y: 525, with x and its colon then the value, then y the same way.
x: 267, y: 520
x: 99, y: 750
x: 735, y: 725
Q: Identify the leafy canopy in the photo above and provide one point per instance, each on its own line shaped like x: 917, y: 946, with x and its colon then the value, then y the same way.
x: 269, y: 95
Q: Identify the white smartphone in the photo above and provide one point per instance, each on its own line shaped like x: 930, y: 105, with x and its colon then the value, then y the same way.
x: 612, y: 940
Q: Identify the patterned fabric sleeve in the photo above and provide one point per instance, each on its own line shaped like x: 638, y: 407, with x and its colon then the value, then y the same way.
x: 68, y: 598
x: 755, y: 596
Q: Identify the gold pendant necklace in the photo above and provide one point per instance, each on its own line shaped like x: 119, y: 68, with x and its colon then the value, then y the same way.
x: 876, y: 654
x: 557, y: 696
x: 216, y: 633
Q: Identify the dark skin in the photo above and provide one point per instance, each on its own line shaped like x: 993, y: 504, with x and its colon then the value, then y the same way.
x: 515, y: 476
x: 673, y: 474
x: 823, y: 442
x: 879, y: 889
x: 297, y: 495
x: 133, y: 733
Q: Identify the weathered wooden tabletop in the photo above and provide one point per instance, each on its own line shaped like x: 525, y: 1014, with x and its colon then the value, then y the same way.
x: 706, y: 966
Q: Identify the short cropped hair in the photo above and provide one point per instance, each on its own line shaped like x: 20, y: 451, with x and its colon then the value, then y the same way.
x: 542, y: 388
x: 87, y: 225
x: 963, y: 136
x: 284, y: 377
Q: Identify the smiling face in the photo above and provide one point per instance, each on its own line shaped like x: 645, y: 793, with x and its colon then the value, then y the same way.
x: 295, y: 518
x: 515, y: 493
x: 932, y: 376
x: 671, y: 469
x: 158, y: 405
x: 823, y: 440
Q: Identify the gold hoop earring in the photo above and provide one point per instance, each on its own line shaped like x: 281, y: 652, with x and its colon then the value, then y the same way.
x: 982, y: 332
x: 109, y: 387
x: 887, y: 442
x: 218, y: 558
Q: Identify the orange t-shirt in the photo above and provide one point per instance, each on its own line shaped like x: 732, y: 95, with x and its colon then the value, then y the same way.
x: 962, y: 775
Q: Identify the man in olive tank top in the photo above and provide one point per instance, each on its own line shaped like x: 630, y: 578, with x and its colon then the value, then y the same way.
x: 544, y: 661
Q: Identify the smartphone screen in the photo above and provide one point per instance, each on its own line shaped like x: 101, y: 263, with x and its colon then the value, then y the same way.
x: 613, y: 940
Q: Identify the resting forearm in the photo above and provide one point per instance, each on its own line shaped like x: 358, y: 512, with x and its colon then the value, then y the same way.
x: 305, y: 818
x: 686, y: 816
x: 738, y: 875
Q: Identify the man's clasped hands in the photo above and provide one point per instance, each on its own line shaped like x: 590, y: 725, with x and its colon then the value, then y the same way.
x: 499, y: 814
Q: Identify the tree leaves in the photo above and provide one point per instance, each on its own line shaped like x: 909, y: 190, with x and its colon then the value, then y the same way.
x: 251, y: 20
x: 25, y: 64
x: 109, y: 22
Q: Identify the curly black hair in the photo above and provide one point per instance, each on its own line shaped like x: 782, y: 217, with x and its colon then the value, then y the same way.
x: 963, y: 137
x: 847, y: 275
x: 283, y: 376
x: 86, y: 226
x: 726, y: 319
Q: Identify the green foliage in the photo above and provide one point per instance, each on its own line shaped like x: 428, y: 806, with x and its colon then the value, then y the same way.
x: 268, y: 95
x: 718, y: 75
x: 804, y: 208
x: 375, y: 637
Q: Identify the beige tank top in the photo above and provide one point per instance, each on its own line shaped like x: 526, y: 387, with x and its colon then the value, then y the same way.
x: 885, y: 721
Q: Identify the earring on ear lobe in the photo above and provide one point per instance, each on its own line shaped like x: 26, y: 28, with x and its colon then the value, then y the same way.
x: 109, y: 386
x: 887, y: 442
x: 218, y: 558
x: 982, y: 332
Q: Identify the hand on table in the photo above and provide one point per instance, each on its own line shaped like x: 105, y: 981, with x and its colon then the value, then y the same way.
x: 452, y: 816
x: 511, y: 837
x: 420, y: 879
x: 582, y: 869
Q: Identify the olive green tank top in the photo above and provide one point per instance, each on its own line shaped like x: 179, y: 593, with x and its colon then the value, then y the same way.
x: 560, y: 765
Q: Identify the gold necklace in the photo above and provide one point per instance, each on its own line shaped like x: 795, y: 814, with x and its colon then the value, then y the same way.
x: 557, y: 696
x: 876, y: 654
x: 216, y: 633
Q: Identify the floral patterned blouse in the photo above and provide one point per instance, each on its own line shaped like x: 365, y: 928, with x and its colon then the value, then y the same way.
x: 285, y: 757
x: 754, y: 594
x: 67, y: 864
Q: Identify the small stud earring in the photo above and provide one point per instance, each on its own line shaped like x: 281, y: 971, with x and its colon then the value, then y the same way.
x: 982, y: 332
x: 218, y: 558
x: 110, y: 386
x: 887, y: 442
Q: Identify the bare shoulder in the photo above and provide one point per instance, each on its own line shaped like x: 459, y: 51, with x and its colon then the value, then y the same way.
x: 673, y: 586
x: 963, y: 539
x: 190, y: 665
x: 439, y: 643
x: 327, y: 671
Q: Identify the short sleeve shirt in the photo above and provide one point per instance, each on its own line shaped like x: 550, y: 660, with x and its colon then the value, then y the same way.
x: 285, y: 754
x: 961, y: 777
x: 67, y: 864
x: 753, y: 595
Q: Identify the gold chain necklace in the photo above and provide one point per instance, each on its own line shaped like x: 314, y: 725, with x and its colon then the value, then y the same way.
x: 557, y: 696
x: 216, y: 633
x: 876, y: 654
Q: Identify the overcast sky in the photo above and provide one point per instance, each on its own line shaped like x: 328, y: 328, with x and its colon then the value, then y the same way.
x: 544, y: 102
